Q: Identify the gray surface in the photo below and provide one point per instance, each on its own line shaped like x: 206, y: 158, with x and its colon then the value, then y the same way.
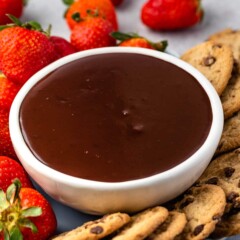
x: 219, y: 14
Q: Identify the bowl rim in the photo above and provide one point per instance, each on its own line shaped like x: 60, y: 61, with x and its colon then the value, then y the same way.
x: 29, y: 159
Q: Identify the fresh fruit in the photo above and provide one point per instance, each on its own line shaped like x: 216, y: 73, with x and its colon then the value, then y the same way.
x: 93, y: 32
x: 62, y: 46
x: 117, y: 2
x: 171, y: 15
x: 79, y: 9
x: 134, y: 40
x: 6, y: 147
x: 14, y: 7
x: 25, y: 214
x: 11, y: 169
x: 8, y: 91
x: 24, y: 49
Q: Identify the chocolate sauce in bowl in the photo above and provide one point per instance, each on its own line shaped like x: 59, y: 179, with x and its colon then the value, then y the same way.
x: 115, y: 117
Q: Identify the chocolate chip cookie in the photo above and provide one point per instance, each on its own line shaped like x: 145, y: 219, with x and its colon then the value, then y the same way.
x: 230, y: 38
x: 230, y: 138
x: 203, y: 205
x: 224, y: 171
x: 230, y: 97
x: 143, y: 224
x: 215, y: 61
x: 172, y: 227
x: 228, y: 226
x: 98, y: 229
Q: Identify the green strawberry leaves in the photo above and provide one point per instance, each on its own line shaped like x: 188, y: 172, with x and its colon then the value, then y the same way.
x: 15, y: 234
x: 4, y: 204
x: 13, y: 191
x: 12, y: 216
x: 124, y: 36
x: 31, y: 212
x: 160, y: 46
x: 26, y: 223
x: 30, y: 25
x: 68, y: 2
x: 15, y: 20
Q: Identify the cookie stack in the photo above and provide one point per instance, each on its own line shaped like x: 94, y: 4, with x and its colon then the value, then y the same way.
x: 210, y: 208
x: 223, y: 171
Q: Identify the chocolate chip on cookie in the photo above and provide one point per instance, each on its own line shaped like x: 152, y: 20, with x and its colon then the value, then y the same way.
x: 143, y: 224
x: 215, y: 61
x: 228, y: 226
x: 228, y: 171
x: 230, y: 38
x: 171, y: 228
x: 97, y: 229
x: 225, y: 168
x: 208, y: 61
x: 203, y: 212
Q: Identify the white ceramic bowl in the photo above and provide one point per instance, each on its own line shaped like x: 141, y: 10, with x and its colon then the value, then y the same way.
x: 101, y: 197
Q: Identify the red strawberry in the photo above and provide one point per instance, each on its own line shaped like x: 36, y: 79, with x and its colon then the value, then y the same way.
x: 117, y: 2
x: 25, y: 214
x: 14, y: 7
x: 11, y: 169
x: 24, y: 49
x: 79, y: 9
x: 94, y: 32
x: 171, y: 15
x: 8, y: 91
x: 6, y: 147
x: 62, y: 46
x: 134, y: 40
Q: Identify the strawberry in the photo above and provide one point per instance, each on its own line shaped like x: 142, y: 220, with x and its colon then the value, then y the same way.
x: 11, y: 169
x: 62, y: 46
x: 24, y: 49
x: 6, y: 147
x: 93, y: 32
x: 14, y: 7
x: 117, y: 2
x: 79, y: 9
x: 25, y: 214
x: 171, y: 15
x: 8, y: 91
x: 134, y: 40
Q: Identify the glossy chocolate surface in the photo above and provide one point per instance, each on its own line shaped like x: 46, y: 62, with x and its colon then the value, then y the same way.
x: 115, y: 117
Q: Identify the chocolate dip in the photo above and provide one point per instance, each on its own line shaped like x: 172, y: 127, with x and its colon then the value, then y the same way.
x: 115, y: 117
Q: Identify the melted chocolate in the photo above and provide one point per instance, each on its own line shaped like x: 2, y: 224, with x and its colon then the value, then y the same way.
x: 115, y: 117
